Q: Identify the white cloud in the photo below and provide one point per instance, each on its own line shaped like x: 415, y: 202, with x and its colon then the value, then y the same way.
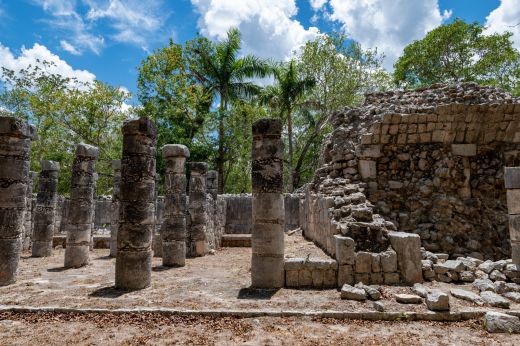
x: 387, y: 25
x: 134, y: 21
x: 65, y: 18
x: 506, y: 17
x: 33, y: 57
x: 268, y: 28
x: 317, y: 4
x: 66, y: 46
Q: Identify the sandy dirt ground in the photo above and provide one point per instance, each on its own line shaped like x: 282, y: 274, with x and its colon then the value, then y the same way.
x: 217, y: 281
x: 154, y: 329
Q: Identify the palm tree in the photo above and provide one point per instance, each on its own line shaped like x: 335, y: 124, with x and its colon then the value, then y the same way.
x: 286, y: 96
x: 228, y: 77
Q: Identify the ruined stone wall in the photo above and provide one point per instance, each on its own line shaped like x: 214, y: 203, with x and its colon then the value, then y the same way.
x: 430, y: 162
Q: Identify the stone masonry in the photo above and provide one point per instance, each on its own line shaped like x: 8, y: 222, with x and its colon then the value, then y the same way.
x: 136, y: 215
x: 173, y: 229
x: 44, y: 213
x: 116, y: 195
x: 197, y: 239
x: 30, y: 205
x: 430, y: 162
x: 512, y: 184
x: 81, y: 207
x: 15, y: 147
x: 267, y: 240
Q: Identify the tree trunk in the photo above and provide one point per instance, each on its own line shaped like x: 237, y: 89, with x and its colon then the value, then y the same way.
x: 221, y: 152
x: 290, y: 184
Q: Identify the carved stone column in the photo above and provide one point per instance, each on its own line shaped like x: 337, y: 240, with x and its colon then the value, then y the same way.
x: 81, y: 206
x: 512, y: 182
x: 43, y: 229
x: 136, y: 215
x: 116, y: 195
x: 197, y: 240
x: 173, y: 229
x: 15, y: 148
x: 267, y: 239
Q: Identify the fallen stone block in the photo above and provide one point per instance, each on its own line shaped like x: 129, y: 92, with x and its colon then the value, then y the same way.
x: 484, y: 285
x: 454, y: 265
x: 437, y: 301
x: 378, y: 306
x: 466, y: 295
x: 513, y: 296
x: 408, y: 299
x: 497, y: 322
x: 353, y: 293
x: 495, y: 300
x: 420, y: 290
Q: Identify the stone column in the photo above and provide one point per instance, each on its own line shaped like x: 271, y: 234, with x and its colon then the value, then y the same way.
x: 136, y: 214
x: 116, y: 195
x: 43, y: 229
x: 267, y: 239
x: 173, y: 230
x: 92, y: 221
x: 197, y: 240
x: 28, y: 220
x: 157, y: 247
x: 15, y: 148
x: 212, y: 184
x: 512, y: 183
x: 81, y: 206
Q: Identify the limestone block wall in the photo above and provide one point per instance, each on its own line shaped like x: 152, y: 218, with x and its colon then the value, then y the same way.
x: 315, y: 273
x: 429, y: 161
x: 102, y: 213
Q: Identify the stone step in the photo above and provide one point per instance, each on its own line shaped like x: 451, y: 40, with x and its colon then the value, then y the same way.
x: 236, y: 240
x: 100, y: 241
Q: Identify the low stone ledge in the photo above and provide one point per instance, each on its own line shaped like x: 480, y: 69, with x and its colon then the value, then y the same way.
x: 236, y: 240
x: 100, y: 241
x: 340, y: 315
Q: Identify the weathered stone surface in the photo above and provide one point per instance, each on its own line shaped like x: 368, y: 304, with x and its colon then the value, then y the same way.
x: 363, y: 262
x: 173, y: 229
x: 388, y: 261
x: 437, y: 300
x: 137, y: 221
x: 494, y: 300
x: 198, y: 244
x: 378, y: 306
x: 454, y: 265
x: 15, y: 147
x: 464, y: 149
x: 408, y: 299
x: 372, y: 292
x: 497, y: 322
x: 420, y: 290
x: 512, y: 177
x: 81, y: 206
x: 408, y: 249
x: 353, y: 293
x: 116, y: 201
x: 43, y: 224
x: 466, y: 295
x: 513, y: 296
x: 267, y: 241
x: 484, y: 285
x: 345, y: 248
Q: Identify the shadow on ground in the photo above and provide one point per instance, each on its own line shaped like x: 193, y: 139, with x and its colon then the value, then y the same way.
x: 108, y: 292
x: 256, y: 294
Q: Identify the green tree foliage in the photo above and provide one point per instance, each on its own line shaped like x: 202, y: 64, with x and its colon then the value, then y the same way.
x: 65, y: 113
x: 457, y: 52
x: 173, y: 98
x: 343, y: 72
x: 219, y: 69
x: 286, y: 95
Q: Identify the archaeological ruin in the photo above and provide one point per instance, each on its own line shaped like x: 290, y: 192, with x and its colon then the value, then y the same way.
x: 416, y: 191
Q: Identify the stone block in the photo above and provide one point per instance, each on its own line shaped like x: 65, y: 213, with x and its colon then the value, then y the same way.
x: 353, y: 293
x: 376, y: 263
x: 437, y: 301
x: 304, y: 278
x: 345, y: 275
x: 291, y: 278
x: 330, y: 278
x: 367, y: 169
x: 345, y: 248
x: 512, y: 177
x: 408, y: 249
x: 391, y: 278
x: 377, y: 278
x: 464, y: 149
x: 363, y: 262
x: 497, y: 322
x: 388, y: 261
x: 370, y: 151
x: 294, y: 263
x: 317, y: 277
x: 513, y: 201
x: 362, y: 277
x: 515, y: 252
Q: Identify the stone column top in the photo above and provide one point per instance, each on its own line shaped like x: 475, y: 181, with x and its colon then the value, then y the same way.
x: 267, y: 127
x: 16, y: 127
x: 50, y: 165
x: 175, y: 150
x: 140, y: 126
x: 116, y: 165
x: 86, y: 150
x: 198, y: 167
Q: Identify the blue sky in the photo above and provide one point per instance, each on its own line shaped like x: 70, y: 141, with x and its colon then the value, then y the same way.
x: 107, y: 39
